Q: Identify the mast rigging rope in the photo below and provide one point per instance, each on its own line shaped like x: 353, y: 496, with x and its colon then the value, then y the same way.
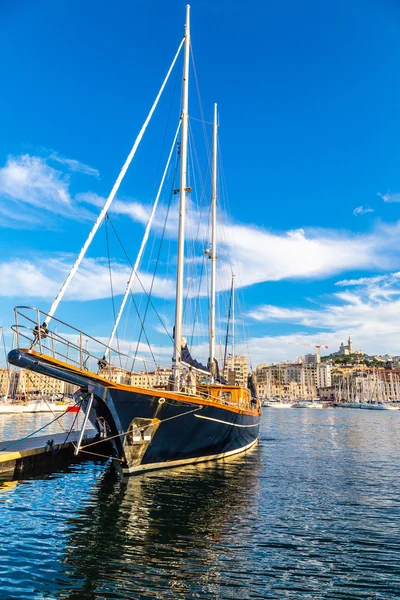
x: 111, y: 196
x: 143, y: 244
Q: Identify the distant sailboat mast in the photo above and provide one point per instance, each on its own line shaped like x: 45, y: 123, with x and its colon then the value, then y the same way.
x: 226, y: 361
x: 182, y: 207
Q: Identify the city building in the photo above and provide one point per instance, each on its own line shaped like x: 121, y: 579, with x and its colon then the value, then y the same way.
x: 262, y: 380
x: 4, y: 382
x: 116, y: 375
x: 324, y: 376
x: 327, y: 393
x: 310, y: 379
x: 236, y: 370
x: 294, y: 380
x: 147, y: 379
x: 268, y: 387
x: 156, y: 379
x: 311, y: 359
x: 293, y: 373
x: 28, y: 383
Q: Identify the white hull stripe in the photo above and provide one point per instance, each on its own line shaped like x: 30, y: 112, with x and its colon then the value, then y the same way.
x: 187, y: 461
x: 227, y: 422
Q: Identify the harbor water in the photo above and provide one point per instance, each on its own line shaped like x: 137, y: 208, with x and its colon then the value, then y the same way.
x: 312, y: 512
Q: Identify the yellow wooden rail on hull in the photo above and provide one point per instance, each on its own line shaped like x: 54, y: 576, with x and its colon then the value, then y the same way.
x: 239, y: 397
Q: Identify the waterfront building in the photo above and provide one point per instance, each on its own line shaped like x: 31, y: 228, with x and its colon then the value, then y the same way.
x: 316, y: 375
x: 26, y: 382
x: 342, y: 372
x: 327, y: 393
x: 4, y: 382
x: 285, y: 380
x: 310, y: 379
x: 324, y: 376
x: 270, y: 380
x: 263, y: 380
x: 156, y: 379
x: 148, y: 379
x: 116, y: 375
x: 311, y: 359
x: 296, y: 380
x: 236, y: 370
x: 293, y: 372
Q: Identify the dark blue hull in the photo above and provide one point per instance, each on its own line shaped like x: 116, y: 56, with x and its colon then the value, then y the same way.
x: 153, y: 430
x: 186, y: 431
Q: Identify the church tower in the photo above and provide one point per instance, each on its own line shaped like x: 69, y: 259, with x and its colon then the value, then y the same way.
x: 350, y: 346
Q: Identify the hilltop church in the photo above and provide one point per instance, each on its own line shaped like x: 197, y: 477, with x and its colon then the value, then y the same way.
x: 346, y: 350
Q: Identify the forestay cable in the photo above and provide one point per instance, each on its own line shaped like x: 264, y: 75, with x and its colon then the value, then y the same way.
x: 110, y: 197
x: 142, y: 247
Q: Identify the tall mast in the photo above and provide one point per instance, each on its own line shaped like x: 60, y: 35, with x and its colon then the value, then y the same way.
x: 182, y: 204
x: 233, y: 322
x: 214, y: 239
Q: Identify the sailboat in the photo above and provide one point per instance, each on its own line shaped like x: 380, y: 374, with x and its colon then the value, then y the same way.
x: 150, y: 427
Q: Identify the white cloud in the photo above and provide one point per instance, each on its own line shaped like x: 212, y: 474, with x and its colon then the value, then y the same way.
x: 363, y: 280
x: 257, y: 255
x: 390, y: 197
x: 362, y: 210
x: 96, y: 347
x: 23, y: 278
x: 43, y: 278
x: 268, y: 313
x: 92, y: 281
x: 371, y: 316
x: 135, y: 210
x: 30, y: 180
x: 74, y: 165
x: 30, y: 189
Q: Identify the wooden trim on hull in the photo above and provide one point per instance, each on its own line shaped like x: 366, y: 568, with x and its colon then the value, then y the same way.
x: 137, y: 470
x: 94, y: 378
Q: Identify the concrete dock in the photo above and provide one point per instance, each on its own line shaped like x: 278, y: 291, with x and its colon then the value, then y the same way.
x: 43, y: 451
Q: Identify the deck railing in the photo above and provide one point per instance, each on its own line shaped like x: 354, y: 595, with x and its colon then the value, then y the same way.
x: 73, y: 347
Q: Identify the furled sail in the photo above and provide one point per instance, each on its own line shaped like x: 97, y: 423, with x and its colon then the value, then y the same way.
x: 188, y: 359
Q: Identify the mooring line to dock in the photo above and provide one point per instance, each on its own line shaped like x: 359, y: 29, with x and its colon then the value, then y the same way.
x: 82, y: 449
x: 37, y: 430
x: 124, y: 433
x: 71, y: 428
x: 107, y: 439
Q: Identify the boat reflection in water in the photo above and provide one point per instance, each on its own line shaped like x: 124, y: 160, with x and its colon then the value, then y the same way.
x: 158, y: 535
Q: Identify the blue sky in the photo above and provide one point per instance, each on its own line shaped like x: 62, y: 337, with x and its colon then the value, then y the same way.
x: 308, y: 95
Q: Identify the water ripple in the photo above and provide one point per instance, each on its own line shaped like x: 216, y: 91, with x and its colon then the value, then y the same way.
x: 312, y: 512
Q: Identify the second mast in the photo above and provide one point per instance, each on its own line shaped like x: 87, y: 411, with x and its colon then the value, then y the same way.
x: 182, y: 206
